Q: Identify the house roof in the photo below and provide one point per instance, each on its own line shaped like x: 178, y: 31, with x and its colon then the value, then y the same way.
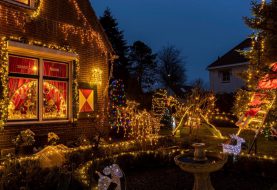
x: 89, y: 12
x: 233, y: 56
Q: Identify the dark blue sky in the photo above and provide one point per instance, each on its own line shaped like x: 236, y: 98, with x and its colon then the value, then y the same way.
x: 201, y: 29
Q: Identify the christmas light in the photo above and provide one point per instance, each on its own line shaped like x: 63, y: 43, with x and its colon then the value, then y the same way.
x: 96, y: 76
x: 233, y: 149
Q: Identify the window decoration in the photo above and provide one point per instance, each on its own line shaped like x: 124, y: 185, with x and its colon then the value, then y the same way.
x: 86, y: 100
x: 55, y: 91
x: 23, y: 99
x: 23, y: 85
x: 96, y: 76
x: 23, y: 65
x: 4, y: 76
x: 75, y: 98
x: 23, y: 89
x: 4, y: 99
x: 54, y: 99
x: 55, y: 69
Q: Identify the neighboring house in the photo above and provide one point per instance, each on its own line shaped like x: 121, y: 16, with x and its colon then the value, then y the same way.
x: 224, y: 72
x: 54, y: 68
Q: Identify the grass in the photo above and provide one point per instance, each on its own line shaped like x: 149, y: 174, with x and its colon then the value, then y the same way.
x: 264, y: 146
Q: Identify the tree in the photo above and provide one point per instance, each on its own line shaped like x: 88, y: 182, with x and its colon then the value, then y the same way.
x: 116, y: 37
x: 172, y: 69
x: 142, y: 64
x: 259, y: 99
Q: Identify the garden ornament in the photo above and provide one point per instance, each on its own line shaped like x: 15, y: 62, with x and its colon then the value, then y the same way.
x: 115, y: 172
x: 233, y: 149
x: 52, y: 156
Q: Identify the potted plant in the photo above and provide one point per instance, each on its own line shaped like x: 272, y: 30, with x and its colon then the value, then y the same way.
x: 24, y: 142
x: 53, y: 138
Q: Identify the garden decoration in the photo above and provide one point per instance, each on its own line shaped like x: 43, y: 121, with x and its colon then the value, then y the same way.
x: 261, y: 103
x: 25, y: 138
x: 52, y: 156
x: 24, y: 142
x: 233, y: 149
x: 115, y: 172
x: 197, y: 110
x: 273, y: 132
x: 52, y: 138
x: 201, y: 164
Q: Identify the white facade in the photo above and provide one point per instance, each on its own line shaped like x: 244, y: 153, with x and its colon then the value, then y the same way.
x: 225, y: 78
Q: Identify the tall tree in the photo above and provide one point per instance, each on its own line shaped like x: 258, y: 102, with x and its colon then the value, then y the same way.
x: 116, y: 37
x: 259, y: 99
x: 142, y: 64
x: 172, y: 70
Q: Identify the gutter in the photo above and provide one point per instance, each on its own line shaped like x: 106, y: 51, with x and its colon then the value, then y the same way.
x: 227, y: 66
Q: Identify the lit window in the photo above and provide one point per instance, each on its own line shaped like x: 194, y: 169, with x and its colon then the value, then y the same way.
x: 27, y: 102
x: 55, y: 85
x: 25, y: 2
x: 226, y: 75
x: 23, y: 88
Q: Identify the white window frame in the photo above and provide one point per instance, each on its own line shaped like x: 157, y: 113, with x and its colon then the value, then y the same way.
x: 42, y: 53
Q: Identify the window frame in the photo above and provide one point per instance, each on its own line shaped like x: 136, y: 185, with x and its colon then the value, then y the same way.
x: 30, y: 5
x: 61, y: 79
x: 223, y: 76
x: 42, y: 53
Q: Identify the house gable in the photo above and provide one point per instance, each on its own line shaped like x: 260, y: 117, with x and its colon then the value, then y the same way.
x: 232, y: 57
x: 224, y: 73
x: 62, y: 20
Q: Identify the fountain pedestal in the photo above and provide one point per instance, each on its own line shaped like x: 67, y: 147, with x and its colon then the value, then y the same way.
x: 201, y: 164
x: 202, y: 181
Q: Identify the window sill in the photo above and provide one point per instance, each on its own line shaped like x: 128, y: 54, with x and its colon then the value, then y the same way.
x: 37, y: 122
x: 225, y: 81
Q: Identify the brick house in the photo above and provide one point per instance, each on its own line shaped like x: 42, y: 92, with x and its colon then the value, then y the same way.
x: 224, y: 72
x: 54, y: 66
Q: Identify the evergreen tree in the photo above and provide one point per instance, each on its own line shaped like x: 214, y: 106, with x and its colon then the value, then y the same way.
x: 116, y: 37
x: 142, y: 64
x: 172, y: 69
x: 262, y: 71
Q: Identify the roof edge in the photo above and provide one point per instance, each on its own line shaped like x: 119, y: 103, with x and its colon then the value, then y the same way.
x: 226, y: 66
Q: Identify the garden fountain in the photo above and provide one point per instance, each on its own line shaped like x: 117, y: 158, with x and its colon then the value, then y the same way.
x: 201, y: 163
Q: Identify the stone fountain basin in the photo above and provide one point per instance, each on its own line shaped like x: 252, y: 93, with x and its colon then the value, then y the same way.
x: 214, y: 162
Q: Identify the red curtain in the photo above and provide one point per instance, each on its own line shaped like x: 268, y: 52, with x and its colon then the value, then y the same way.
x: 54, y: 69
x: 23, y: 65
x: 55, y: 91
x: 18, y: 90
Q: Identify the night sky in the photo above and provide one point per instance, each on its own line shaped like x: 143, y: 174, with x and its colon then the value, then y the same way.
x: 201, y: 29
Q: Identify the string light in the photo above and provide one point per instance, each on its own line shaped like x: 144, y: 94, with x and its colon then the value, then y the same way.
x: 4, y: 71
x: 4, y: 98
x: 96, y: 76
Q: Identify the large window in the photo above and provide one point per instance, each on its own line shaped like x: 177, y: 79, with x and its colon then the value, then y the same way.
x: 38, y: 89
x: 55, y: 85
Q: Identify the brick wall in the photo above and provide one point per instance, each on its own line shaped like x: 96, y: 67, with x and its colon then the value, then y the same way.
x: 45, y: 28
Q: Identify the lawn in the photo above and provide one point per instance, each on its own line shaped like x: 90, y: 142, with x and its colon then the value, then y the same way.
x: 265, y: 146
